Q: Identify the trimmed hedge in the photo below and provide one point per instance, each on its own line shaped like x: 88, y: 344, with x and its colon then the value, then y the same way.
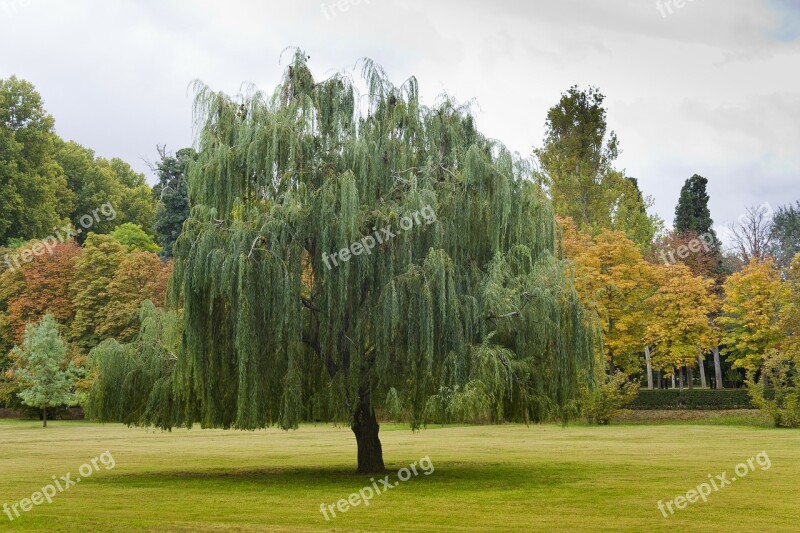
x: 692, y: 399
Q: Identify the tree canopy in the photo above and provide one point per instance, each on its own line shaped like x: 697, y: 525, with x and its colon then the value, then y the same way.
x: 577, y: 165
x: 29, y: 176
x: 471, y: 314
x: 755, y: 299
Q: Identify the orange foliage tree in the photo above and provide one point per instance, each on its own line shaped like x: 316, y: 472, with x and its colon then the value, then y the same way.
x: 140, y: 276
x: 40, y: 287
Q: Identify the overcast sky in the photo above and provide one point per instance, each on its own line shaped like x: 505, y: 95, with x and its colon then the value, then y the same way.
x: 712, y: 87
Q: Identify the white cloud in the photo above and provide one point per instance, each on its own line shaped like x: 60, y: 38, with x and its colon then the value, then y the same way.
x: 709, y: 89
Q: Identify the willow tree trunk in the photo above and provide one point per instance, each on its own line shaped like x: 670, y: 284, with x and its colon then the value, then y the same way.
x: 649, y: 368
x: 44, y: 416
x: 717, y: 368
x: 365, y: 427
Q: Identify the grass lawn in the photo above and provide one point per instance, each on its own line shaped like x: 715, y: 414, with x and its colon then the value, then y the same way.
x: 506, y: 478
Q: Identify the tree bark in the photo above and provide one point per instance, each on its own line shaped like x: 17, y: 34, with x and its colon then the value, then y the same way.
x: 702, y: 371
x: 717, y: 369
x: 649, y: 367
x: 690, y: 376
x: 365, y: 427
x: 44, y: 416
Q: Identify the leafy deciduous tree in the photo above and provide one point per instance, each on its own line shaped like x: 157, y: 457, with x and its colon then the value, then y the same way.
x: 140, y: 276
x: 94, y: 271
x: 28, y: 174
x: 679, y: 329
x: 751, y: 314
x: 786, y: 234
x: 133, y: 236
x: 577, y: 161
x: 614, y: 282
x: 38, y: 288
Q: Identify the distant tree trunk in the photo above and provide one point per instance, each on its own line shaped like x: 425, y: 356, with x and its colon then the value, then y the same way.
x: 690, y: 376
x: 717, y: 369
x: 365, y: 427
x: 649, y: 367
x: 702, y: 371
x: 673, y: 378
x: 660, y: 380
x: 44, y: 416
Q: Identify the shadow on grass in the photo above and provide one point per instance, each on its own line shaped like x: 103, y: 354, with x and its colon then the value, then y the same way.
x: 452, y: 476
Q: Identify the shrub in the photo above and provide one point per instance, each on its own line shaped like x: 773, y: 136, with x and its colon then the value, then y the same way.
x: 606, y: 400
x: 781, y: 397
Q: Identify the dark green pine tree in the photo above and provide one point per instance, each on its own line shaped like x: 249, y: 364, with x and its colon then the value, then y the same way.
x: 692, y: 213
x: 172, y: 194
x: 465, y: 313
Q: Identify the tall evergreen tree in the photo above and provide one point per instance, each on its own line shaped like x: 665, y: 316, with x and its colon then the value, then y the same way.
x: 172, y: 195
x: 464, y: 314
x: 692, y: 213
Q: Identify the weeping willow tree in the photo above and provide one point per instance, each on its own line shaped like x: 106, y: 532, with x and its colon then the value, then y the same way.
x: 470, y: 315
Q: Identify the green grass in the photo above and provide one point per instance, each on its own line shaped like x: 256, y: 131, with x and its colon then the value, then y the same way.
x: 504, y: 478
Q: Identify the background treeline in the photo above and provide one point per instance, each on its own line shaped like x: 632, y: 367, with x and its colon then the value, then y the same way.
x: 675, y: 308
x: 94, y: 282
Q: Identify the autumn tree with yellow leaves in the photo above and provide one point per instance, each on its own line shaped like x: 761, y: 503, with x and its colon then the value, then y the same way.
x: 678, y: 329
x: 613, y: 281
x: 753, y: 313
x: 778, y: 390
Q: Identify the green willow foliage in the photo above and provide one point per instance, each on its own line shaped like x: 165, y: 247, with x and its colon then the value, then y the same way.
x: 136, y: 381
x: 471, y: 315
